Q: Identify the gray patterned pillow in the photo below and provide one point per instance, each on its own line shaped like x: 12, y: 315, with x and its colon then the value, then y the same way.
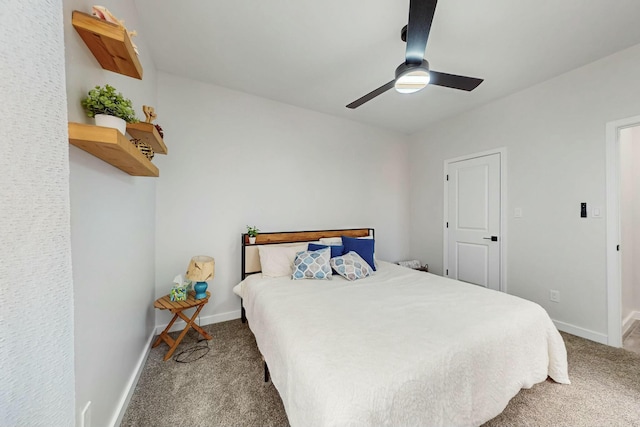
x: 351, y: 266
x: 312, y: 265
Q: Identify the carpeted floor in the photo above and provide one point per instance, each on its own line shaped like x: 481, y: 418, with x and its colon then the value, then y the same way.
x: 225, y: 388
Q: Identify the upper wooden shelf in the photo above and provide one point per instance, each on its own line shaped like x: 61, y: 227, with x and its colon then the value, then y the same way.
x: 109, y: 43
x: 148, y: 133
x: 113, y: 147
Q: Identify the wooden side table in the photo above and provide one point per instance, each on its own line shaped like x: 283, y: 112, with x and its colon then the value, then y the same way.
x: 177, y: 308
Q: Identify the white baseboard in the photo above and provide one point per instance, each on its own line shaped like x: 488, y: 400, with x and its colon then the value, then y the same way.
x: 133, y: 380
x: 628, y: 321
x: 203, y: 320
x: 131, y: 385
x: 581, y: 332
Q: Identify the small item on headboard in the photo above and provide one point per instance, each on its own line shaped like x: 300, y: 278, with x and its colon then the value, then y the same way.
x: 253, y: 233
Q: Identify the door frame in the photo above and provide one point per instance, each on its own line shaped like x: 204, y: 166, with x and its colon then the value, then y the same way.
x: 614, y: 264
x: 503, y: 210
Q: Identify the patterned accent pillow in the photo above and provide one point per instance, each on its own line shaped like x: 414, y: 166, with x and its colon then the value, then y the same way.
x: 312, y: 265
x: 351, y: 266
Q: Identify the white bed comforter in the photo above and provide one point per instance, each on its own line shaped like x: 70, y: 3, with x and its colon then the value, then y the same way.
x: 399, y: 348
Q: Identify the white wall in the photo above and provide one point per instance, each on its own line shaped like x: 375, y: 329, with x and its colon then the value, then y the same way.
x: 36, y: 292
x: 237, y: 159
x: 630, y: 222
x: 555, y: 135
x: 112, y: 235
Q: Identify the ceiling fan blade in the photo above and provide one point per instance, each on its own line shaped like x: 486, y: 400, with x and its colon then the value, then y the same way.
x: 368, y: 97
x: 420, y: 17
x: 453, y: 81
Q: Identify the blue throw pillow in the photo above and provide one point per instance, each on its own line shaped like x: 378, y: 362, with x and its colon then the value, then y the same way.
x: 335, y: 250
x: 363, y: 247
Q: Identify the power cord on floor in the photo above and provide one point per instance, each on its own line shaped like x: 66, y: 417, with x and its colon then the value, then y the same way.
x: 193, y: 353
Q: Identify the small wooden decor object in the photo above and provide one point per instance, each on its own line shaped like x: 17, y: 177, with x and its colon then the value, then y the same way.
x: 113, y: 147
x: 110, y: 44
x: 149, y: 113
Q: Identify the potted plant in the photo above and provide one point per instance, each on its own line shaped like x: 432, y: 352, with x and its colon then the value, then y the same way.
x: 109, y: 108
x: 252, y: 232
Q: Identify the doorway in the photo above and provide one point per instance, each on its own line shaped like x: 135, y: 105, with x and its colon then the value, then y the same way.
x: 474, y: 213
x: 622, y: 147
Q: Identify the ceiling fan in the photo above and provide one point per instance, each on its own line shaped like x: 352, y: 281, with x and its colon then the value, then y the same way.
x: 414, y: 74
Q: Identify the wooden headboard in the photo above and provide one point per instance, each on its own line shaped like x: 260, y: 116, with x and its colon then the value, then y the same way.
x: 251, y: 258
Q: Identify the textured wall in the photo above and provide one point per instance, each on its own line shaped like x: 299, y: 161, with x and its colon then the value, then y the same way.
x: 112, y: 233
x: 36, y: 292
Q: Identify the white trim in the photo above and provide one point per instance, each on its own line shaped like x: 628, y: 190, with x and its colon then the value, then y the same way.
x: 614, y: 284
x: 131, y: 385
x: 581, y: 332
x: 203, y: 320
x: 628, y: 321
x: 503, y: 210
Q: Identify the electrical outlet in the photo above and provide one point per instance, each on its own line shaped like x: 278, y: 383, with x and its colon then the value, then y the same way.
x: 554, y: 296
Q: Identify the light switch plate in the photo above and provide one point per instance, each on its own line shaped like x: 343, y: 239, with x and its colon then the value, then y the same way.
x: 517, y: 213
x: 597, y: 212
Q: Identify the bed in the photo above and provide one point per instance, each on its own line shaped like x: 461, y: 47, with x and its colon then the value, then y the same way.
x: 401, y: 347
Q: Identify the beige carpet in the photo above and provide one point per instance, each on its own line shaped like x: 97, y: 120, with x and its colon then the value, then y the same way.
x: 226, y: 388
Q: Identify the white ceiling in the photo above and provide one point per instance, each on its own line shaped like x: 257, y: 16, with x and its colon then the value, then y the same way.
x: 323, y: 54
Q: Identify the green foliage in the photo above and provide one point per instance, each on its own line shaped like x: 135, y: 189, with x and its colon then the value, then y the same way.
x: 252, y: 231
x: 105, y: 100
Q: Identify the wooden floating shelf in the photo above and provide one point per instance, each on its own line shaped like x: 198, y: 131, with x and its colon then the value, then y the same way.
x: 148, y: 133
x: 113, y: 147
x: 109, y: 43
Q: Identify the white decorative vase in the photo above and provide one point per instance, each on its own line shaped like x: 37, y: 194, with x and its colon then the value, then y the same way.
x: 252, y: 240
x: 108, y: 121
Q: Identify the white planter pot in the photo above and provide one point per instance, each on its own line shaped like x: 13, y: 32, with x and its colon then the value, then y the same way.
x: 252, y: 240
x: 108, y: 121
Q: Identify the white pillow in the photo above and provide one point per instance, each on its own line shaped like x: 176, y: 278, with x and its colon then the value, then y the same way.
x: 277, y: 261
x: 331, y: 241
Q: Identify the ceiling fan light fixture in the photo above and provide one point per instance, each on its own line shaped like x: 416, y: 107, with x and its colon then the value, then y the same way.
x: 414, y: 74
x: 411, y: 78
x: 412, y: 82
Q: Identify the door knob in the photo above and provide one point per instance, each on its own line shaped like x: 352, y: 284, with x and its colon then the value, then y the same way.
x: 492, y: 238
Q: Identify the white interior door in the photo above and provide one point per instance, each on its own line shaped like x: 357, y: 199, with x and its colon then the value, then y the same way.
x: 473, y: 224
